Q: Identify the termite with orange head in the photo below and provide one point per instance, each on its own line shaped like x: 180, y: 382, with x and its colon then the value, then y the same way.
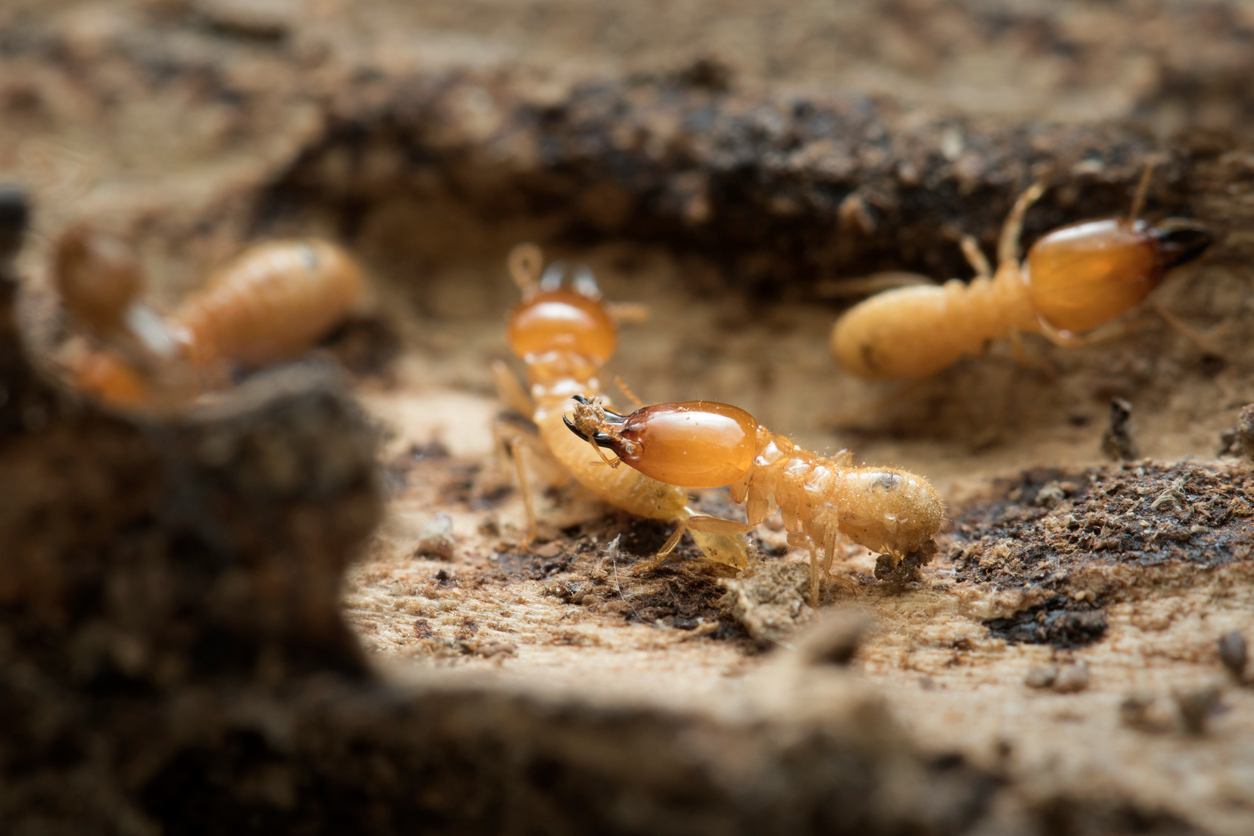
x: 564, y: 336
x: 1074, y: 279
x: 271, y: 303
x: 823, y: 500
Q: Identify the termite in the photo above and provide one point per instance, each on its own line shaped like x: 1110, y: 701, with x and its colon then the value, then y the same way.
x: 564, y: 336
x: 1074, y: 279
x: 823, y: 500
x: 271, y: 303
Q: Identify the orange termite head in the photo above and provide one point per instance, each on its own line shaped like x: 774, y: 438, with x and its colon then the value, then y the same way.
x: 693, y: 444
x: 1086, y: 274
x: 97, y: 278
x: 565, y: 322
x: 555, y: 321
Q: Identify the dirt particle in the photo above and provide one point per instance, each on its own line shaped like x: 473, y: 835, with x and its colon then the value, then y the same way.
x: 1050, y: 495
x: 1041, y: 676
x: 1117, y: 442
x: 1140, y: 710
x: 770, y: 603
x: 436, y: 540
x: 1072, y: 679
x: 1196, y: 706
x: 568, y: 592
x: 706, y: 72
x: 1234, y: 654
x: 1211, y: 365
x: 1117, y: 524
x: 1054, y: 623
x: 833, y: 639
x: 265, y: 21
x: 1239, y: 441
x: 1064, y: 679
x: 898, y: 574
x: 526, y: 565
x: 489, y: 649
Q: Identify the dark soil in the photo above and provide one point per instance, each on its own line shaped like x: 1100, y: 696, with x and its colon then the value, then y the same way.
x: 1055, y: 535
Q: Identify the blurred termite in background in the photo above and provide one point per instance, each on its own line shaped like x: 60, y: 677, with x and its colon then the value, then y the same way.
x: 269, y: 304
x: 1074, y: 279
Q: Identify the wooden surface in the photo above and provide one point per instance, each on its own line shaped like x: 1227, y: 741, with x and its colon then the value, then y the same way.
x: 734, y: 176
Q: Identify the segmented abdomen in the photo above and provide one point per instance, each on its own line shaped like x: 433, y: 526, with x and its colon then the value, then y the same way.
x: 917, y: 331
x: 270, y: 304
x: 883, y: 509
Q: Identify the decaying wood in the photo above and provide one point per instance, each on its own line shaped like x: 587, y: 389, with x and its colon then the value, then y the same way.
x: 179, y: 652
x: 175, y: 658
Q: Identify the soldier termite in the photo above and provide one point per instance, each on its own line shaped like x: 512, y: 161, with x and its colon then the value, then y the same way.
x: 564, y: 335
x: 822, y: 500
x: 271, y: 303
x: 1074, y: 279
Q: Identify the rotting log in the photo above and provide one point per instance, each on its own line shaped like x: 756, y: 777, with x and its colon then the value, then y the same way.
x: 774, y: 189
x: 175, y: 661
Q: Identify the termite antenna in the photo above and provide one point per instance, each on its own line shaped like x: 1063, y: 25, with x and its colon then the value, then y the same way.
x: 975, y: 257
x: 628, y: 393
x: 1142, y: 190
x: 1008, y: 246
x: 601, y: 454
x: 525, y: 262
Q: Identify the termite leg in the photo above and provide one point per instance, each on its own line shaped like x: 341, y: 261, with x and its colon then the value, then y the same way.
x: 720, y: 540
x: 524, y: 487
x: 627, y: 313
x: 717, y: 525
x: 512, y: 441
x: 703, y: 524
x: 663, y: 553
x: 628, y: 393
x: 829, y: 554
x: 1142, y: 190
x: 870, y: 285
x: 1063, y: 339
x: 671, y: 542
x: 596, y: 448
x: 1008, y: 246
x: 510, y: 391
x: 1178, y: 325
x: 814, y: 573
x: 976, y: 258
x: 1021, y: 356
